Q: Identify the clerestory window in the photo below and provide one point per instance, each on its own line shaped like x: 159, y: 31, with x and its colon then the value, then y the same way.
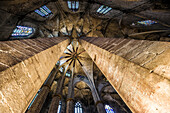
x: 22, y: 32
x: 78, y: 108
x: 43, y: 11
x: 73, y: 5
x: 144, y: 22
x: 103, y: 9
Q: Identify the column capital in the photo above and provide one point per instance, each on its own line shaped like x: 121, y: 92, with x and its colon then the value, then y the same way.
x: 57, y: 95
x: 98, y: 102
x: 70, y: 99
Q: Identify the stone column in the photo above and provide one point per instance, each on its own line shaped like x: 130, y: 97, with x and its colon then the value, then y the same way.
x: 42, y: 95
x: 57, y: 96
x: 98, y: 102
x: 137, y: 69
x: 70, y: 100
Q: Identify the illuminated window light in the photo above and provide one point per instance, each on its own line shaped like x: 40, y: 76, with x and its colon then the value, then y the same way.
x: 22, y: 31
x: 108, y: 109
x: 104, y: 9
x: 59, y: 107
x: 68, y: 74
x: 144, y: 22
x: 43, y: 11
x: 73, y: 5
x: 78, y: 108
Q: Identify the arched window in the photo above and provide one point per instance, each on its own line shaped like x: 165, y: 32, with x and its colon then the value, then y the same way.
x: 59, y: 108
x: 22, y: 32
x: 109, y: 109
x: 73, y: 5
x: 78, y: 108
x: 43, y: 11
x: 104, y: 9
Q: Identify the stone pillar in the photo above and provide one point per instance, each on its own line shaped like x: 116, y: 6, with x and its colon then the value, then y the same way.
x: 57, y: 96
x: 100, y: 107
x: 42, y: 95
x: 98, y: 102
x: 70, y: 100
x: 24, y: 66
x: 137, y: 69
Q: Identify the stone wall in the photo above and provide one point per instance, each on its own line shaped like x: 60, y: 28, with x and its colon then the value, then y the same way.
x: 133, y: 69
x: 25, y: 65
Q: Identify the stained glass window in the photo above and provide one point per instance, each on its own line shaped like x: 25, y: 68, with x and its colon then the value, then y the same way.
x: 73, y: 5
x: 108, y: 109
x: 68, y: 74
x: 144, y: 22
x: 22, y: 31
x: 59, y: 107
x: 43, y: 11
x: 78, y: 108
x: 104, y: 9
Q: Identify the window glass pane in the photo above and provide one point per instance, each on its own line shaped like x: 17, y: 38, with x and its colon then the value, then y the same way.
x: 22, y: 31
x: 69, y: 4
x: 104, y: 9
x: 39, y: 12
x: 101, y: 7
x: 78, y: 108
x: 81, y: 111
x: 44, y: 7
x: 43, y: 11
x: 68, y: 74
x: 77, y: 4
x: 73, y: 4
x: 107, y: 10
x: 59, y: 107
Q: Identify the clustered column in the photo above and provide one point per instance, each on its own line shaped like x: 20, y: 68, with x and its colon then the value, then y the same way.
x: 70, y: 100
x: 42, y: 95
x: 97, y: 100
x: 57, y: 96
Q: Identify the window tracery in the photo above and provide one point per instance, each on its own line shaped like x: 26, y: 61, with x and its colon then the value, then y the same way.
x: 103, y: 9
x: 43, y: 11
x: 22, y: 31
x: 73, y: 5
x: 78, y: 108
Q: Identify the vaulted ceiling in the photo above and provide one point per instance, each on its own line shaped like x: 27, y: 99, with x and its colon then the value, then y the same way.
x: 116, y: 23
